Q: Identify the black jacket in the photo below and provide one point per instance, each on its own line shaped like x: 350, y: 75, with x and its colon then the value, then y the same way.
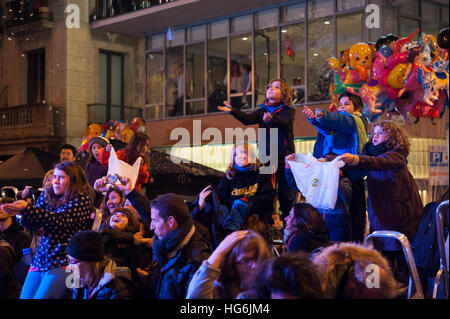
x: 256, y: 187
x: 115, y: 284
x: 17, y: 237
x: 283, y: 120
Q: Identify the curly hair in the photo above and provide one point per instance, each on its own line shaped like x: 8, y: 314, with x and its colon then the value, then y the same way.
x: 285, y: 90
x: 397, y: 138
x: 253, y: 163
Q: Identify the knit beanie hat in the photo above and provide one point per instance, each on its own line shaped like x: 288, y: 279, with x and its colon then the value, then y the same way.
x: 99, y: 140
x: 86, y: 246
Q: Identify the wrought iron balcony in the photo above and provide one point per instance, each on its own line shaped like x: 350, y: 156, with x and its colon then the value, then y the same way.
x: 27, y: 17
x: 26, y: 121
x: 107, y: 8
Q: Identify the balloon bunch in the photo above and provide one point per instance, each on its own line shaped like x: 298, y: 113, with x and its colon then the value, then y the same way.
x: 396, y: 75
x: 118, y: 130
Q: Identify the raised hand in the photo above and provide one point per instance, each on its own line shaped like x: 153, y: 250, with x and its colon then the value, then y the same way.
x: 226, y: 108
x: 15, y: 208
x: 319, y: 114
x: 308, y: 112
x: 219, y: 254
x: 290, y: 157
x: 124, y: 185
x: 267, y: 117
x: 101, y: 184
x: 202, y: 196
x: 349, y: 159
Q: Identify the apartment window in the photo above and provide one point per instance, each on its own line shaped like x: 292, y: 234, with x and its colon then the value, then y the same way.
x: 36, y: 76
x: 111, y: 84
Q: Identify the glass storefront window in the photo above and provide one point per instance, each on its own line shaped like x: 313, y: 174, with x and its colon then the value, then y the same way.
x: 266, y: 19
x: 155, y: 77
x: 218, y: 29
x: 266, y: 60
x: 155, y: 41
x: 154, y: 112
x: 293, y: 13
x: 242, y: 24
x: 217, y: 72
x: 430, y: 18
x: 444, y: 17
x: 349, y: 4
x: 320, y: 49
x: 293, y: 59
x: 241, y: 56
x: 390, y: 22
x: 197, y: 33
x: 349, y: 31
x: 195, y: 107
x: 408, y: 26
x: 320, y: 8
x: 410, y: 8
x: 174, y: 81
x: 195, y: 74
x: 175, y: 37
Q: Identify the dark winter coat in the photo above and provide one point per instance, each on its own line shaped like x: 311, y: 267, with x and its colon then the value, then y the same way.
x: 255, y: 187
x: 94, y: 170
x: 115, y: 284
x: 283, y: 119
x: 394, y: 202
x: 173, y: 267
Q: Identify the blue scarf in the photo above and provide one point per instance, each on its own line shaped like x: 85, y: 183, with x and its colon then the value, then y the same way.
x: 271, y: 109
x: 240, y: 169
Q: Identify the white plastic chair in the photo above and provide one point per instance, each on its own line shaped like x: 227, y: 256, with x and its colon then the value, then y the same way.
x: 413, y: 274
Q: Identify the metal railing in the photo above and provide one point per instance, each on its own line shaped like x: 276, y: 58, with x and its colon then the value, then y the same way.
x: 102, y: 113
x: 18, y: 14
x: 26, y: 120
x: 106, y: 8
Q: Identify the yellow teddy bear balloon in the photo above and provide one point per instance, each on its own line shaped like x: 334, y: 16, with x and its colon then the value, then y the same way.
x: 360, y: 59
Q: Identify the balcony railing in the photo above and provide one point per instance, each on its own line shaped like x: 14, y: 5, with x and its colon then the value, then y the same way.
x: 107, y: 8
x: 102, y: 113
x: 18, y: 14
x: 26, y: 120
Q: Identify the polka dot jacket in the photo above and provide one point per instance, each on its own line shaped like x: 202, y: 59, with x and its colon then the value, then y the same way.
x: 59, y: 226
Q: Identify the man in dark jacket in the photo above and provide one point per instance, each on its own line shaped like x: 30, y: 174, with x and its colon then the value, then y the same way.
x: 13, y: 239
x: 178, y: 247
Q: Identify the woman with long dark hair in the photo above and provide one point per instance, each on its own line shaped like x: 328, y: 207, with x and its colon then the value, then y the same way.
x: 61, y: 211
x: 305, y: 229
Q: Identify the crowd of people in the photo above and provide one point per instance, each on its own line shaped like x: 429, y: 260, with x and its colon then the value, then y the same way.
x: 92, y: 236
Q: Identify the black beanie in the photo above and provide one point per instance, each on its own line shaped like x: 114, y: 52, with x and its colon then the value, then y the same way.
x: 86, y: 246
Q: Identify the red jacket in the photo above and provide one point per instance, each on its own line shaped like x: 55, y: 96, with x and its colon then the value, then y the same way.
x: 122, y: 155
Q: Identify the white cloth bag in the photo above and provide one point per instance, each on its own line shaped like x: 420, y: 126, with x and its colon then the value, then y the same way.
x: 121, y: 168
x: 317, y: 181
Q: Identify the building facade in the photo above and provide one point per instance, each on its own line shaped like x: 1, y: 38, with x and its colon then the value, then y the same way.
x: 178, y: 60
